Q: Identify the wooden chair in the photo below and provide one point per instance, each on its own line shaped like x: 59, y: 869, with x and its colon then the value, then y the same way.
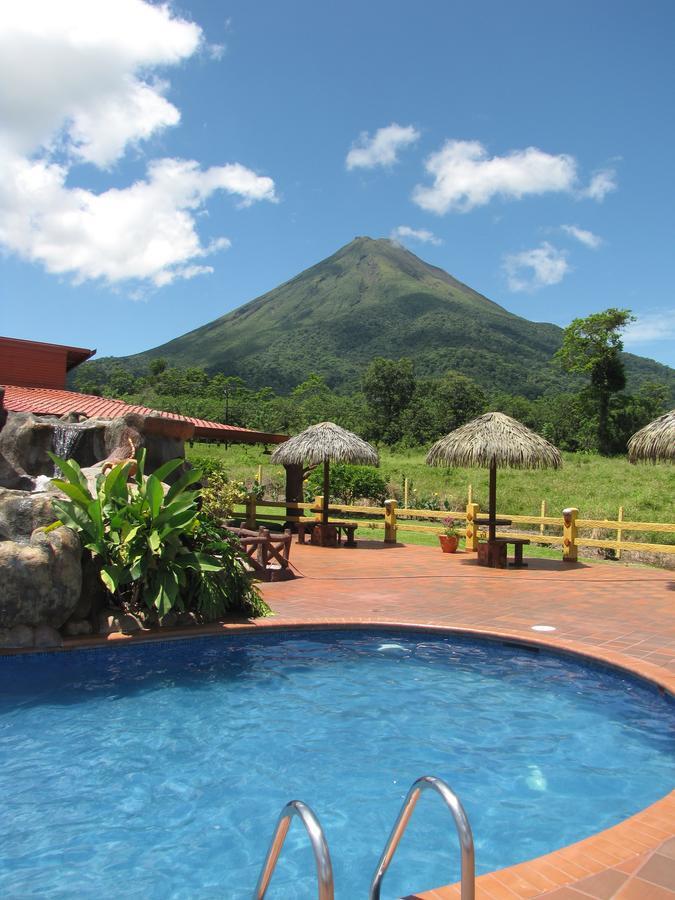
x: 267, y: 554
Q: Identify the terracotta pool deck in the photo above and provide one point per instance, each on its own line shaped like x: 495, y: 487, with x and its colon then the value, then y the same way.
x: 623, y: 615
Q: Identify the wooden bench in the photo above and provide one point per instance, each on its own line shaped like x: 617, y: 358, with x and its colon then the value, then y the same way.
x: 493, y: 553
x: 330, y: 536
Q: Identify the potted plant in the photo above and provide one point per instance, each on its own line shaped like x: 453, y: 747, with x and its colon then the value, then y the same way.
x: 450, y: 538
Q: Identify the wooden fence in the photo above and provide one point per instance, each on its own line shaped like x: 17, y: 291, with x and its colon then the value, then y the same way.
x: 567, y: 527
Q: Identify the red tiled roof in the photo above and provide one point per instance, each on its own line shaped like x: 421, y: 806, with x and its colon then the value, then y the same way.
x: 57, y: 403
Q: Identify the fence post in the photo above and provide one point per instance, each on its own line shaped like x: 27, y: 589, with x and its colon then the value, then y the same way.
x: 570, y: 534
x: 318, y: 506
x: 259, y: 476
x: 543, y: 513
x: 250, y: 511
x: 471, y: 529
x: 619, y: 534
x: 390, y: 521
x: 405, y: 493
x: 469, y: 498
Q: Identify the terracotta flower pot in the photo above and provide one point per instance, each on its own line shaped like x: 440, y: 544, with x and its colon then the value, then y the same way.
x: 449, y: 542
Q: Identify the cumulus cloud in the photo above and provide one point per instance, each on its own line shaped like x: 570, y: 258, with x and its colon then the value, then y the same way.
x: 587, y: 238
x: 80, y: 72
x: 79, y: 84
x: 145, y: 231
x: 533, y: 269
x: 464, y: 176
x: 401, y: 232
x: 382, y: 148
x: 658, y: 325
x: 601, y: 184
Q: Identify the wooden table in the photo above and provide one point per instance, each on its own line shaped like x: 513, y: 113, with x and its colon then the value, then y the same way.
x: 330, y: 536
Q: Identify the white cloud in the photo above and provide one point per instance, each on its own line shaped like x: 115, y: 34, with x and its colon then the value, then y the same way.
x: 532, y: 269
x: 601, y: 184
x: 587, y: 238
x: 382, y: 148
x: 145, y: 231
x: 78, y: 72
x: 465, y: 177
x: 417, y: 234
x: 78, y: 83
x: 658, y: 325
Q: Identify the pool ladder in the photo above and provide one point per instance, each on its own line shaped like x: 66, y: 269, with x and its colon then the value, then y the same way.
x: 324, y: 868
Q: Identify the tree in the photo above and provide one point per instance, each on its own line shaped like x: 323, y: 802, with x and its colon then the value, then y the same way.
x: 440, y: 405
x: 157, y: 366
x: 629, y: 413
x: 592, y: 347
x: 388, y: 386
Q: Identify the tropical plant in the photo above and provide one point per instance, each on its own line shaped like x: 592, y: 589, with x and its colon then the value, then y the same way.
x: 449, y: 527
x: 150, y: 544
x: 230, y: 589
x: 220, y: 496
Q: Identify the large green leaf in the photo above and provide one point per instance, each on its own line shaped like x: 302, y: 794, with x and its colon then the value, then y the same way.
x: 186, y: 479
x: 166, y: 591
x: 140, y: 466
x: 202, y: 562
x: 94, y: 513
x: 115, y: 483
x: 129, y: 532
x: 178, y: 522
x: 112, y: 577
x: 167, y: 468
x: 76, y: 518
x: 185, y: 501
x: 138, y: 566
x: 70, y: 469
x: 154, y: 494
x: 74, y: 491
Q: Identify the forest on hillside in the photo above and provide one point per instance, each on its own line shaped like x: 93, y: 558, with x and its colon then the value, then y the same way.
x: 394, y: 407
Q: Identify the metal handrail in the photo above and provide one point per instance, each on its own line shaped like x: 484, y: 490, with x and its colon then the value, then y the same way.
x: 463, y: 830
x: 324, y: 868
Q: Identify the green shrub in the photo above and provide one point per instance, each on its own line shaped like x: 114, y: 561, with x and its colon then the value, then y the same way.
x: 156, y: 553
x: 219, y: 496
x: 349, y: 483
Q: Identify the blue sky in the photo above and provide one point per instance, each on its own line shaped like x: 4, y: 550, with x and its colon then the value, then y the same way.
x: 163, y: 165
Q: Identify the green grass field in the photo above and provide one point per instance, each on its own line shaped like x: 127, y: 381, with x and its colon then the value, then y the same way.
x: 596, y: 485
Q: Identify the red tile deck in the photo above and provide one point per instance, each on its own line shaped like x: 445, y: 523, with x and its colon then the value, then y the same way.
x: 620, y: 614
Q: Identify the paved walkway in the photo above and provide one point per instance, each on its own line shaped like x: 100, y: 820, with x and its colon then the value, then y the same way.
x: 624, y: 615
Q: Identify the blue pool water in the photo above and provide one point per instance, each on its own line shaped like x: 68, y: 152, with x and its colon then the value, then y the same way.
x: 158, y: 771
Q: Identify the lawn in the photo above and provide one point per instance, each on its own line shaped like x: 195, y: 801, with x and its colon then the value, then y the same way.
x: 596, y: 485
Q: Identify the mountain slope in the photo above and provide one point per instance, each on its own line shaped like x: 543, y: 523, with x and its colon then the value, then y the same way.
x: 373, y: 298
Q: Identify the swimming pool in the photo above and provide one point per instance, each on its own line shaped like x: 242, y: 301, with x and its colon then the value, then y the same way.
x: 159, y: 770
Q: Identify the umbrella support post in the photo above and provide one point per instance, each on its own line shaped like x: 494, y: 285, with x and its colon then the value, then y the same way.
x: 492, y: 504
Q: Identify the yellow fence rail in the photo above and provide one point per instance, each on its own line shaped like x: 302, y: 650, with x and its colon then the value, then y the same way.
x: 393, y: 518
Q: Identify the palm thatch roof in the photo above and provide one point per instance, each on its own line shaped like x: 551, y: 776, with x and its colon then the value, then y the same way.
x: 494, y: 439
x: 655, y: 442
x: 325, y: 442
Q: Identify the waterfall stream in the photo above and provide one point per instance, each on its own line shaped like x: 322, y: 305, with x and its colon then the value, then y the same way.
x: 65, y: 439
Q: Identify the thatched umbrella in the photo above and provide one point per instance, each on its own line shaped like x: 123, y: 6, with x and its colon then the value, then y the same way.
x: 655, y: 442
x: 494, y: 440
x: 325, y: 443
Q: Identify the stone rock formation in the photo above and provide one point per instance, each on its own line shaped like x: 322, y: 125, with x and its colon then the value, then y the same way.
x: 43, y: 584
x: 41, y: 578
